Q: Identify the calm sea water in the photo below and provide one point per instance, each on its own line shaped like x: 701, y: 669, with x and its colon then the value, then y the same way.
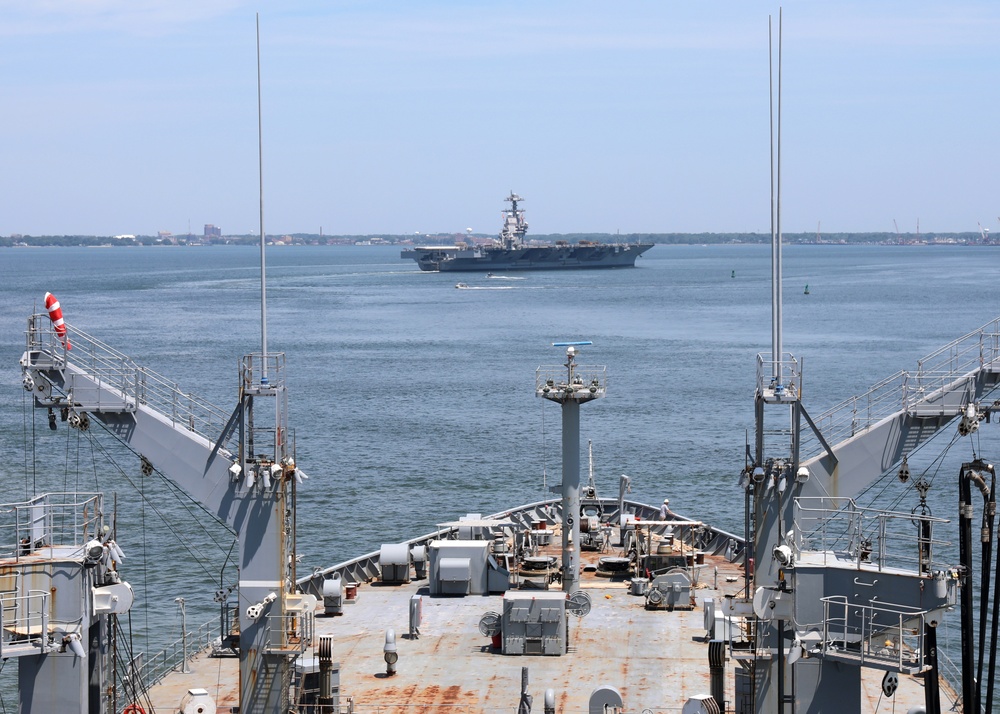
x: 413, y: 402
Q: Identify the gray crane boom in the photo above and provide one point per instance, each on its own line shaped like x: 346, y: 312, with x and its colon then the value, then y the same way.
x: 236, y: 465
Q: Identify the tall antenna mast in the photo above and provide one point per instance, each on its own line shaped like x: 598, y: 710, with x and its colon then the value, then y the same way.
x: 260, y: 169
x: 776, y: 272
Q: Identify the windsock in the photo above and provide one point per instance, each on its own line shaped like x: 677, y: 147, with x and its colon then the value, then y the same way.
x: 55, y: 314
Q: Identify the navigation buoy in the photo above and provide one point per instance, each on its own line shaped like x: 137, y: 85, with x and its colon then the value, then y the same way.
x: 55, y: 314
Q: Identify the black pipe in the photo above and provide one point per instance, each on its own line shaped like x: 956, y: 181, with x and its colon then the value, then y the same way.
x: 781, y: 666
x: 993, y: 637
x: 984, y: 601
x: 932, y: 693
x: 969, y: 704
x: 996, y: 604
x: 924, y: 543
x: 989, y: 506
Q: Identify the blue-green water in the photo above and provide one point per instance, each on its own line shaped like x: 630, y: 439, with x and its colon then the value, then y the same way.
x: 413, y: 402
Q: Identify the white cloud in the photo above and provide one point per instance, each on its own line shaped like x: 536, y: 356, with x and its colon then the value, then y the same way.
x: 139, y: 17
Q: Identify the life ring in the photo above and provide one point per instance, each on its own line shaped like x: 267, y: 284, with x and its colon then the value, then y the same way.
x: 133, y: 709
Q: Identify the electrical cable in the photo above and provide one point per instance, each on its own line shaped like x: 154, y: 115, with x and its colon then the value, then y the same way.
x: 183, y: 499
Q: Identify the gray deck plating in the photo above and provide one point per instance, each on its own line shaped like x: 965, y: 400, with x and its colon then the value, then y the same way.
x: 656, y: 659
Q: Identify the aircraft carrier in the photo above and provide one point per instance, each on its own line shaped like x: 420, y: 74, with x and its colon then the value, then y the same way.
x: 510, y: 252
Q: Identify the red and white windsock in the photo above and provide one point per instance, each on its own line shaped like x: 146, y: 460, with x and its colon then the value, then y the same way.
x: 55, y: 314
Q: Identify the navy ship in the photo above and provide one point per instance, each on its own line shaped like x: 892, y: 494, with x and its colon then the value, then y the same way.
x: 610, y: 602
x: 509, y: 251
x: 831, y: 599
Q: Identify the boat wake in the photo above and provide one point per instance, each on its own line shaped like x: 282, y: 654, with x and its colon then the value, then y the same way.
x: 463, y: 286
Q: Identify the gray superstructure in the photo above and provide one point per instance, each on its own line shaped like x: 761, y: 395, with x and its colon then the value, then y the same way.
x: 509, y: 251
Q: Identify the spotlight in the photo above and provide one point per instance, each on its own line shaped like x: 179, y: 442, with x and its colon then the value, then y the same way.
x: 783, y: 554
x: 93, y: 552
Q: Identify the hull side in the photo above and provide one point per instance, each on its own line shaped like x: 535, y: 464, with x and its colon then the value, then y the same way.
x: 540, y: 258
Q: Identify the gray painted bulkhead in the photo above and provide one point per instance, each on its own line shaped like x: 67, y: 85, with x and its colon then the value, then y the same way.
x: 59, y: 681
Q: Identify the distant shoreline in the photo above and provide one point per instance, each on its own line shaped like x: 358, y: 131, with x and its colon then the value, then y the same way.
x: 300, y: 239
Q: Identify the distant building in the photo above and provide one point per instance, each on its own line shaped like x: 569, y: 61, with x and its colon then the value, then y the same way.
x: 212, y: 231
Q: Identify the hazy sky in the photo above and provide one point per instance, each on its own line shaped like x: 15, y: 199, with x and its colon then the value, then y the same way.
x: 136, y: 116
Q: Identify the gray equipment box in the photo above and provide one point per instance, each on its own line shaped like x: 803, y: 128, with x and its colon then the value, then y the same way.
x: 534, y: 624
x: 394, y: 562
x: 458, y: 567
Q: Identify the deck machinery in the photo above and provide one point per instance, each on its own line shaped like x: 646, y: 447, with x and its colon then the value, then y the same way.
x: 835, y: 587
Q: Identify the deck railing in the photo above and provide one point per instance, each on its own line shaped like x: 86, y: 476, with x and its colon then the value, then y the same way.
x: 887, y: 635
x: 137, y: 385
x: 49, y: 520
x: 366, y: 567
x: 779, y: 380
x: 293, y: 632
x: 886, y: 539
x: 980, y: 349
x: 142, y: 672
x: 586, y: 379
x: 24, y: 623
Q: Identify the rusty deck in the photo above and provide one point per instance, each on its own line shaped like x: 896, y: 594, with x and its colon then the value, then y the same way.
x: 656, y: 659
